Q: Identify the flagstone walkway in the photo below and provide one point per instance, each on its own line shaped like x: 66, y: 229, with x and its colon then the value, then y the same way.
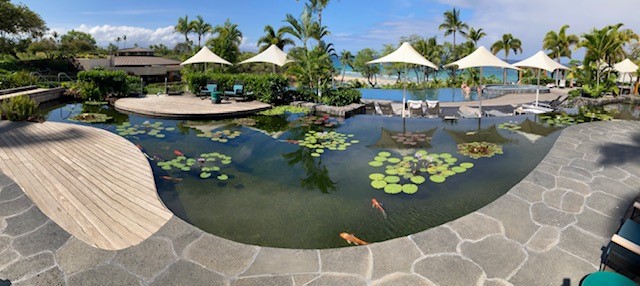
x: 547, y: 229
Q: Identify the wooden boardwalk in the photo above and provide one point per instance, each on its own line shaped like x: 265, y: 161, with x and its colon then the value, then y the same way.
x: 186, y: 106
x: 96, y: 185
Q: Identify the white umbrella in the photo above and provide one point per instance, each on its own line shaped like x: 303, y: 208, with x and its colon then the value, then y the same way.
x: 405, y: 54
x: 273, y: 55
x: 625, y: 67
x: 542, y: 62
x: 480, y: 58
x: 205, y: 56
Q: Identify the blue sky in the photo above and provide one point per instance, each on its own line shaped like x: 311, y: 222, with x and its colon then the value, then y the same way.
x: 354, y: 24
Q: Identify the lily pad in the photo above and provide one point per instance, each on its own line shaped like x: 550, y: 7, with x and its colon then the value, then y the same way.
x: 394, y: 160
x: 392, y: 179
x: 393, y: 188
x: 418, y: 180
x: 437, y: 178
x: 380, y: 158
x: 205, y: 175
x: 378, y: 184
x: 223, y: 177
x: 376, y: 176
x: 466, y: 165
x: 458, y: 169
x: 409, y: 189
x: 375, y: 163
x: 384, y: 154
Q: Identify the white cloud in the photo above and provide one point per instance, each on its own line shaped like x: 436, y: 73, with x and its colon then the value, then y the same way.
x: 144, y: 37
x: 125, y: 12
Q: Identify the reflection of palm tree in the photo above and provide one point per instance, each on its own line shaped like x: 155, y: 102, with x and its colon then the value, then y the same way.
x: 481, y: 135
x: 317, y: 173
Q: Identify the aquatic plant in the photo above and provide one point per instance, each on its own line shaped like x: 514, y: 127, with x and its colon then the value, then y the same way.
x: 319, y: 141
x: 404, y: 175
x: 559, y: 119
x: 511, y: 126
x: 477, y: 150
x: 151, y: 129
x: 91, y: 118
x: 206, y: 165
x: 410, y: 139
x: 222, y: 136
x: 244, y: 121
x: 318, y: 121
x: 95, y: 103
x: 280, y: 110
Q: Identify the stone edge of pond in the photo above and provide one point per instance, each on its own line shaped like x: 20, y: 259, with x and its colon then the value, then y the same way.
x: 547, y: 228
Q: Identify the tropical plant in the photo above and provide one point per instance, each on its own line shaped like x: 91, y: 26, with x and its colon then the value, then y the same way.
x: 227, y: 41
x: 18, y: 21
x: 453, y: 24
x: 304, y: 28
x: 317, y: 6
x: 475, y: 35
x: 559, y: 44
x: 508, y: 43
x: 200, y: 27
x: 360, y: 65
x: 18, y: 108
x: 184, y: 27
x: 346, y: 60
x: 74, y: 42
x: 430, y: 49
x: 272, y: 37
x: 312, y: 67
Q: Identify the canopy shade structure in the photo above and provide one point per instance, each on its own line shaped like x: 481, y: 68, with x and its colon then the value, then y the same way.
x: 273, y: 55
x: 626, y: 66
x: 408, y: 55
x: 480, y: 58
x: 542, y: 62
x: 205, y: 56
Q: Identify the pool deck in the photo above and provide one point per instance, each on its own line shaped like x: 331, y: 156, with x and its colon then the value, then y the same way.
x: 547, y: 228
x: 187, y: 106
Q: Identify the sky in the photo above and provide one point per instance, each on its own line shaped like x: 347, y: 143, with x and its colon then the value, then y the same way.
x: 354, y: 24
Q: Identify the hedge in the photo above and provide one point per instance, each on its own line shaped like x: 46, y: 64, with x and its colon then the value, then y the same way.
x: 96, y: 84
x: 268, y: 88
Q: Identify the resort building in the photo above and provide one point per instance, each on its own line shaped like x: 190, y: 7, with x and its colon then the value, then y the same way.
x: 136, y: 61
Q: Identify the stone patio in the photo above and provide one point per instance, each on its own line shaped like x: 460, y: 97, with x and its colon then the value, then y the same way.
x: 548, y: 228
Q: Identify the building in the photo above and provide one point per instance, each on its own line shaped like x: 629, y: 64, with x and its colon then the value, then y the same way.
x: 137, y: 61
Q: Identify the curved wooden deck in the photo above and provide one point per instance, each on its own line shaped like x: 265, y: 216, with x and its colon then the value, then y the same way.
x: 96, y: 185
x: 187, y: 107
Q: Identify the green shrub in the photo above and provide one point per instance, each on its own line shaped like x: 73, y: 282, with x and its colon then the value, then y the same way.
x: 268, y: 88
x: 107, y: 82
x: 342, y: 97
x: 575, y: 93
x: 16, y: 79
x: 18, y: 108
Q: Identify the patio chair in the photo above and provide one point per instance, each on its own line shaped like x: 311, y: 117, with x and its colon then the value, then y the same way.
x: 469, y: 112
x: 211, y: 90
x: 562, y: 83
x: 623, y: 252
x: 415, y: 108
x: 370, y: 108
x: 386, y: 109
x: 554, y: 104
x: 433, y: 108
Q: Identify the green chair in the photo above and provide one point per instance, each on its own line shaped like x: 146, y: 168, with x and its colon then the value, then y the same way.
x: 623, y: 252
x: 214, y: 93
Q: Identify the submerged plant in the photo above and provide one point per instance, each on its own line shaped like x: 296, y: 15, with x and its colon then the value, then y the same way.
x: 280, y: 110
x: 95, y: 103
x: 319, y: 121
x: 244, y: 121
x: 407, y: 173
x: 511, y: 126
x: 410, y: 139
x: 152, y: 129
x: 91, y: 118
x: 477, y: 150
x: 319, y: 141
x: 222, y: 136
x: 207, y: 165
x: 559, y: 119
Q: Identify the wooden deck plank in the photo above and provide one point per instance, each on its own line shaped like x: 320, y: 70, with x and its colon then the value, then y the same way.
x: 187, y: 106
x: 93, y: 183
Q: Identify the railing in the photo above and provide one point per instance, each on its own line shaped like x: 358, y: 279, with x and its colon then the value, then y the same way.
x: 52, y: 80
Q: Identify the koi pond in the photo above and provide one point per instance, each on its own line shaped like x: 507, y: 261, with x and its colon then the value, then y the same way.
x: 297, y: 181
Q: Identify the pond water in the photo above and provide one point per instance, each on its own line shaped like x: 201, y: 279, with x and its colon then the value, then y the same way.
x: 441, y: 94
x: 270, y: 184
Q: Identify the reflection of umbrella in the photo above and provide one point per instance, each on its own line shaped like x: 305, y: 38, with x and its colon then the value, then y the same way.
x: 398, y: 140
x: 273, y: 55
x: 542, y: 62
x: 205, y: 56
x: 484, y: 135
x: 532, y: 127
x: 481, y: 57
x: 625, y: 67
x: 405, y: 54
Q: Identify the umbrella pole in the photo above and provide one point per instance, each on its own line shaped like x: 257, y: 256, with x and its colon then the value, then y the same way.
x: 480, y: 93
x: 538, y: 88
x: 404, y: 90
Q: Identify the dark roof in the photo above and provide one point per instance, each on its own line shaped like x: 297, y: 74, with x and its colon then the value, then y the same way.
x: 142, y: 61
x: 133, y: 50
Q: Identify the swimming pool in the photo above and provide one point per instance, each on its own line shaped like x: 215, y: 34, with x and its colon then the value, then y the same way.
x: 298, y: 182
x: 448, y: 94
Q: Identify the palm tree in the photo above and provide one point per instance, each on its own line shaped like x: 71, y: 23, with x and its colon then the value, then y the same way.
x: 272, y: 37
x: 184, y: 27
x: 346, y: 60
x: 226, y: 43
x: 606, y: 44
x: 200, y: 27
x: 508, y: 43
x: 452, y: 25
x: 316, y: 6
x: 559, y: 44
x: 118, y: 39
x: 303, y: 29
x: 430, y: 49
x: 475, y: 35
x: 124, y: 38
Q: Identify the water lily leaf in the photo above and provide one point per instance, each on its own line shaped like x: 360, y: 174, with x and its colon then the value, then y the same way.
x: 378, y: 184
x: 393, y: 188
x: 185, y: 169
x: 380, y: 158
x: 458, y: 169
x: 223, y: 177
x: 393, y: 160
x: 418, y: 179
x: 409, y: 189
x: 205, y: 175
x: 466, y: 165
x: 166, y: 168
x: 160, y: 135
x: 355, y: 141
x: 320, y: 151
x: 447, y: 173
x: 170, y: 129
x: 225, y: 162
x: 315, y: 154
x: 392, y: 179
x: 445, y: 155
x: 376, y: 176
x: 451, y: 160
x: 432, y: 170
x: 437, y: 178
x: 384, y: 154
x: 440, y: 168
x: 375, y: 163
x: 391, y: 171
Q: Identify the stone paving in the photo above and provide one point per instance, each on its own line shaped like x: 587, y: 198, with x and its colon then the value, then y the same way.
x: 548, y: 228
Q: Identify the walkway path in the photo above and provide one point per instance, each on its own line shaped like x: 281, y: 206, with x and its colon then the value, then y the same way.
x: 94, y: 184
x: 187, y: 107
x: 548, y: 228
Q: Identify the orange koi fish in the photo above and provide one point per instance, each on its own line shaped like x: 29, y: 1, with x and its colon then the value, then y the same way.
x: 350, y: 238
x: 172, y: 179
x: 377, y: 205
x: 178, y: 152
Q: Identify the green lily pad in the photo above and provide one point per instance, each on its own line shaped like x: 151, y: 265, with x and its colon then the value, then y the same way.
x: 384, y: 154
x: 451, y: 160
x: 223, y: 177
x: 186, y: 169
x: 380, y: 159
x: 391, y: 171
x: 445, y: 155
x: 376, y: 176
x: 378, y: 184
x: 448, y: 173
x: 409, y: 189
x: 315, y: 154
x: 393, y: 188
x: 393, y: 160
x: 392, y: 179
x: 205, y: 175
x: 466, y: 165
x: 418, y: 179
x: 458, y: 169
x: 375, y: 163
x: 437, y: 178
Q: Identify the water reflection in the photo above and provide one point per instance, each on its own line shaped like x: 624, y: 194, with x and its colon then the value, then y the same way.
x: 317, y: 173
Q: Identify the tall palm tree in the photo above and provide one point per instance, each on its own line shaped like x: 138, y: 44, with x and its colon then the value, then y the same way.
x: 508, y: 43
x: 124, y: 38
x: 346, y: 60
x: 200, y: 27
x: 429, y: 48
x: 184, y: 27
x: 559, y: 44
x: 303, y: 29
x: 452, y: 25
x: 317, y: 6
x: 475, y: 36
x: 118, y: 39
x: 226, y: 43
x: 272, y: 37
x: 606, y: 44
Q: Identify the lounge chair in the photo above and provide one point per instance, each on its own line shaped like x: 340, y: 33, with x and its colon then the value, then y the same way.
x: 562, y: 83
x: 210, y: 91
x: 623, y: 252
x: 469, y: 112
x: 433, y: 108
x: 370, y: 108
x: 554, y: 104
x: 385, y: 108
x: 415, y: 108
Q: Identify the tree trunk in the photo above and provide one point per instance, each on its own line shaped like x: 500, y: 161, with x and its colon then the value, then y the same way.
x: 455, y: 57
x: 344, y: 70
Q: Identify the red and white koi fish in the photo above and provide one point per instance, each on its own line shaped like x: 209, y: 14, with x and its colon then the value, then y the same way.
x: 171, y: 179
x: 178, y: 152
